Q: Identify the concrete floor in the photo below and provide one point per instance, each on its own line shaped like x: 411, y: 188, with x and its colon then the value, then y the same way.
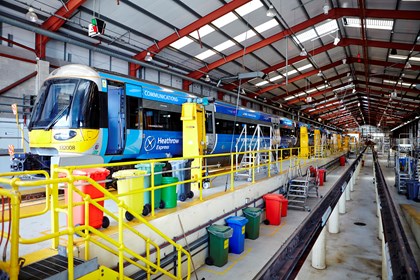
x: 353, y: 253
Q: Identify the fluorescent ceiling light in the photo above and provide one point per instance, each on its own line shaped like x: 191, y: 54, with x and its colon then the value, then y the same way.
x: 370, y: 23
x: 289, y: 97
x: 311, y: 90
x: 271, y: 12
x: 336, y: 41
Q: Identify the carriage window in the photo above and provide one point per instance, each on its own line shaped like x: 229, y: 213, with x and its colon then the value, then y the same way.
x: 162, y: 120
x: 133, y: 113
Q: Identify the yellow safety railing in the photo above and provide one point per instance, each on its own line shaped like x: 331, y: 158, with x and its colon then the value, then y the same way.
x: 115, y: 247
x: 118, y: 247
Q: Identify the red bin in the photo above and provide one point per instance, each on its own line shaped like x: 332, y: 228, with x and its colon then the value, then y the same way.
x: 342, y: 161
x: 321, y: 176
x: 284, y: 205
x: 96, y: 216
x: 273, y: 205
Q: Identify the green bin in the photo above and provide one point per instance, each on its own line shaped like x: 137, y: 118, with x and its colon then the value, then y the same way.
x: 169, y: 197
x: 128, y: 181
x: 252, y: 228
x: 218, y: 244
x: 158, y: 181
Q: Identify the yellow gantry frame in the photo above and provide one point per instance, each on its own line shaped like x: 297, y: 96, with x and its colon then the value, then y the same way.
x: 304, y: 142
x: 194, y: 138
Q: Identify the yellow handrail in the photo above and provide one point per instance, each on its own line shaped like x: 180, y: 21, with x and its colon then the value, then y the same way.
x: 116, y: 247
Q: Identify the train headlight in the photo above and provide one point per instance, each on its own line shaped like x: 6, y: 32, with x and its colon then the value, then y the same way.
x: 60, y: 136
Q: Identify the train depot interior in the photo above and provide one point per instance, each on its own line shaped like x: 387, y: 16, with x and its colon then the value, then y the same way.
x: 225, y: 139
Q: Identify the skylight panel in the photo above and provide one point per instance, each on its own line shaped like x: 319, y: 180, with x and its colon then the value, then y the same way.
x: 294, y: 96
x: 370, y: 23
x: 275, y: 78
x: 203, y: 31
x: 205, y: 54
x: 291, y: 72
x: 266, y: 26
x: 244, y: 36
x: 322, y: 29
x: 328, y: 27
x: 224, y: 20
x: 224, y: 45
x: 261, y: 83
x: 249, y: 7
x: 398, y: 83
x: 181, y: 42
x: 306, y: 35
x: 304, y: 67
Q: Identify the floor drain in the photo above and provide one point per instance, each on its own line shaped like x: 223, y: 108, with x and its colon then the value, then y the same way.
x: 359, y: 224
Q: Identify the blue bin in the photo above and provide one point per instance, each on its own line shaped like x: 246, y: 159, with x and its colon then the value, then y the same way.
x: 412, y: 189
x: 236, y: 242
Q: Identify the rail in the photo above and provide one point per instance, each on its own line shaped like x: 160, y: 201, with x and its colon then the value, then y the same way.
x: 403, y: 263
x: 287, y: 261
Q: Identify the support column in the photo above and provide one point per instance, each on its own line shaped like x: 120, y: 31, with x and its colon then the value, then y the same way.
x: 347, y: 191
x: 318, y: 251
x: 333, y: 221
x: 352, y: 179
x: 342, y: 204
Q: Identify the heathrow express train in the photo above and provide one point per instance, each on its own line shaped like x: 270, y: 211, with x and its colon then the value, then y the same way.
x: 85, y: 111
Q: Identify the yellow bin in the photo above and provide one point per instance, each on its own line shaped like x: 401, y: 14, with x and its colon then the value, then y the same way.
x: 129, y: 181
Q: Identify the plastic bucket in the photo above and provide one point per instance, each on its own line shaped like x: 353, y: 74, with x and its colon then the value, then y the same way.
x: 169, y: 192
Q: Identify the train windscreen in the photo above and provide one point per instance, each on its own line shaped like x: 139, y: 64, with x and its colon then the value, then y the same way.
x: 66, y: 103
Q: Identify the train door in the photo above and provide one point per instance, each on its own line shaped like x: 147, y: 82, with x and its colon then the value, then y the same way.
x: 116, y: 119
x: 210, y: 129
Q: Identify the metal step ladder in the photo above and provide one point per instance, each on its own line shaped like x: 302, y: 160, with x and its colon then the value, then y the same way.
x: 55, y: 268
x: 300, y: 188
x: 258, y: 151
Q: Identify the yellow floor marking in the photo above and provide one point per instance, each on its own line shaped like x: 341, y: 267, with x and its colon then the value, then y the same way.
x: 232, y: 264
x: 274, y: 232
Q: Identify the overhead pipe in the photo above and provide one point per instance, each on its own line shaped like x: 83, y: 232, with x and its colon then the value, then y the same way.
x: 65, y: 39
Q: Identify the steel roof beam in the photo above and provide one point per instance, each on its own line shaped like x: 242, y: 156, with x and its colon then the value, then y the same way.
x: 156, y: 48
x: 53, y: 23
x: 333, y: 14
